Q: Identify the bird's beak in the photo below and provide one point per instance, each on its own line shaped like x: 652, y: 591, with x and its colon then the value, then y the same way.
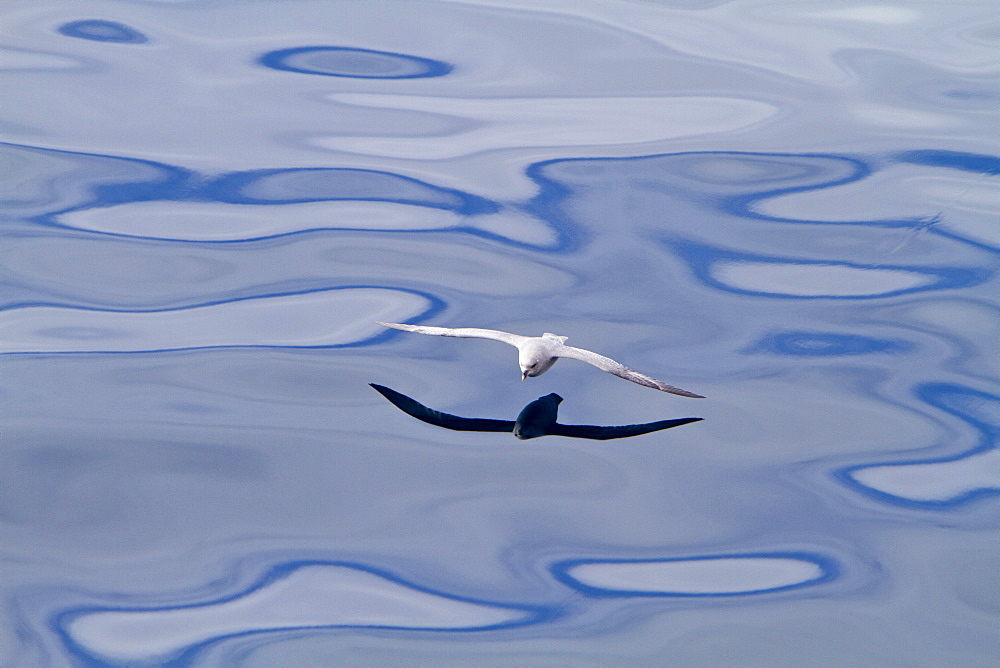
x: 524, y: 374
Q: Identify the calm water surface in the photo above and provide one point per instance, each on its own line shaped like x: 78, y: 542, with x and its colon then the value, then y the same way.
x: 791, y: 208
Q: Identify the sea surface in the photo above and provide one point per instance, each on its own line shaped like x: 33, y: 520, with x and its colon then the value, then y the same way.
x: 792, y: 208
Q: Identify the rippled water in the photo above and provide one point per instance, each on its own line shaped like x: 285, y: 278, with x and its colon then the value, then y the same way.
x: 791, y: 208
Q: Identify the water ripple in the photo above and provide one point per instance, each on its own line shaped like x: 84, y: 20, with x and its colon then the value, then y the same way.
x: 207, y: 204
x: 288, y: 186
x: 330, y: 318
x: 940, y: 482
x: 825, y: 344
x: 294, y: 596
x: 498, y: 124
x: 99, y: 30
x: 797, y: 278
x: 342, y: 61
x: 163, y: 202
x: 729, y: 575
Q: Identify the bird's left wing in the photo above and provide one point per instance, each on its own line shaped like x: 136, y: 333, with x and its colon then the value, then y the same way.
x: 460, y: 332
x: 439, y: 419
x: 622, y: 371
x: 620, y: 431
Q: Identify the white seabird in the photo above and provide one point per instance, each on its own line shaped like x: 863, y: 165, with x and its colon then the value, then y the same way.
x: 536, y: 354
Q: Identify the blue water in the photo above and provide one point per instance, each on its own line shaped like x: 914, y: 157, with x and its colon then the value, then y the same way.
x: 791, y: 208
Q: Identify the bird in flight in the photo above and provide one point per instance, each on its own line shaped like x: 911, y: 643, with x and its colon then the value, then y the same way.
x: 536, y: 354
x: 536, y: 419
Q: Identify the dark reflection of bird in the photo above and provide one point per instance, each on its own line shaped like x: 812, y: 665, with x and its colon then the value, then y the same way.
x: 536, y: 419
x: 536, y: 354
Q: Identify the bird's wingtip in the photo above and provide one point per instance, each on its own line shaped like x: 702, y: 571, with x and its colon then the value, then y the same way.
x: 681, y: 393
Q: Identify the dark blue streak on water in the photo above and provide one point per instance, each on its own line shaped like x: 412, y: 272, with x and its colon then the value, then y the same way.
x: 98, y: 30
x: 979, y: 410
x: 853, y: 169
x: 733, y: 184
x: 97, y: 180
x: 822, y: 344
x: 533, y: 614
x: 111, y: 180
x: 830, y: 571
x: 291, y: 186
x: 548, y: 205
x: 119, y: 180
x: 726, y: 181
x: 342, y: 61
x: 976, y: 163
x: 703, y: 257
x: 744, y: 205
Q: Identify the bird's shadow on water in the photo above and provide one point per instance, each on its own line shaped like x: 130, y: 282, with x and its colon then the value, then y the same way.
x: 536, y: 419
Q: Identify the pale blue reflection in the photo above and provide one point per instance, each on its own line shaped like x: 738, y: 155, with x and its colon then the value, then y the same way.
x: 233, y: 207
x: 335, y: 318
x: 799, y: 278
x: 291, y: 597
x: 715, y: 575
x: 940, y: 483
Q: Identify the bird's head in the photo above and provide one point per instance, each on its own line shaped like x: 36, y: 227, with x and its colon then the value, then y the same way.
x: 534, y: 361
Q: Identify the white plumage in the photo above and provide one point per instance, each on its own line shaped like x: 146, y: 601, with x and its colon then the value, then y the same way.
x: 536, y: 354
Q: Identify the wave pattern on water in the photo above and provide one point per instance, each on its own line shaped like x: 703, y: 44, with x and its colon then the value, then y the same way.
x: 206, y: 206
x: 321, y: 319
x: 341, y: 61
x: 943, y: 482
x: 103, y: 31
x: 733, y: 575
x: 296, y: 596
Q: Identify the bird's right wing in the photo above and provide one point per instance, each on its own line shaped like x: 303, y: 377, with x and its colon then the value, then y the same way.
x: 621, y: 431
x: 622, y: 371
x: 439, y: 419
x: 460, y: 332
